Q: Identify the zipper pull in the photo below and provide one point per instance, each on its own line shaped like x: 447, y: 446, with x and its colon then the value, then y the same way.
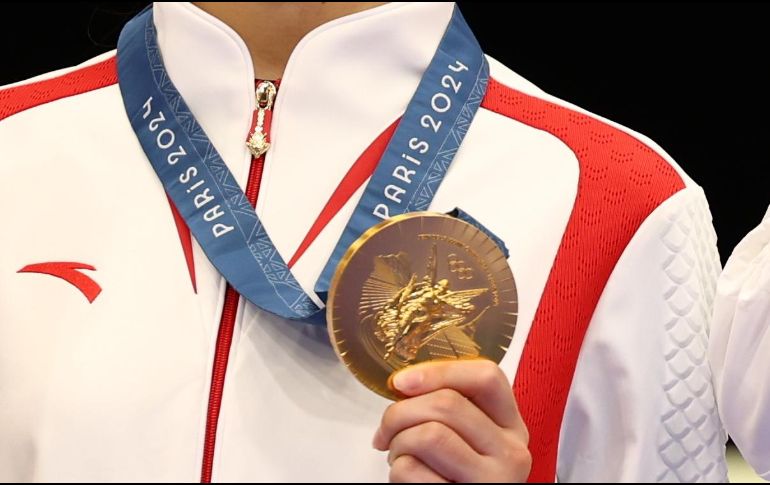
x: 258, y: 143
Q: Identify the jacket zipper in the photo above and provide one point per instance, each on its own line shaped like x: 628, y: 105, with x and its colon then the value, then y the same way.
x: 258, y: 144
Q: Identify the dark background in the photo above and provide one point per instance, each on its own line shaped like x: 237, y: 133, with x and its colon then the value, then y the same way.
x: 693, y: 77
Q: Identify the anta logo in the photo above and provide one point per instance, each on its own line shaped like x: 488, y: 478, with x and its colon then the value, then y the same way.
x: 69, y: 272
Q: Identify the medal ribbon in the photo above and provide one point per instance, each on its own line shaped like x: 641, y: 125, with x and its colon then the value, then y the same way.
x: 217, y: 211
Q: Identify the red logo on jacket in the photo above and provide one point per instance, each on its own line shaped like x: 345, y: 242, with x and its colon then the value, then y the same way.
x: 69, y: 273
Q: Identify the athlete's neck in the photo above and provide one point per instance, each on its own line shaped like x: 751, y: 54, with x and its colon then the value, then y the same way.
x: 271, y: 30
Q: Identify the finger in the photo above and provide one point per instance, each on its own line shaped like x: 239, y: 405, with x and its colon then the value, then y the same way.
x: 480, y: 380
x: 408, y: 469
x: 445, y: 406
x: 439, y: 448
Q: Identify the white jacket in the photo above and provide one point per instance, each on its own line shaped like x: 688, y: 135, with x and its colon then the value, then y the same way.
x: 113, y: 382
x: 739, y: 348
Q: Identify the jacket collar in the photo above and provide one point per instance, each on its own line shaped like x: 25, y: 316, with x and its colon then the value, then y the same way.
x: 345, y: 82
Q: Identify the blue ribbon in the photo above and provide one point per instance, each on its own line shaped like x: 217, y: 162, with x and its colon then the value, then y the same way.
x: 217, y: 211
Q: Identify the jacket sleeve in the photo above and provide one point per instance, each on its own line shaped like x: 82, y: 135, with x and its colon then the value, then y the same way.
x: 641, y: 406
x: 739, y: 349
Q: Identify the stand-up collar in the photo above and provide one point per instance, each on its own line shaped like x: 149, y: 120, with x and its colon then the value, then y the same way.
x: 345, y: 82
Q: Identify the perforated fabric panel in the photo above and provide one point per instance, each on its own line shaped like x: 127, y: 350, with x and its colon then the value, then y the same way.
x: 25, y: 96
x: 621, y: 182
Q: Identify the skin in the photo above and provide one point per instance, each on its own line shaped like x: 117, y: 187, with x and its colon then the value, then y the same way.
x: 459, y: 423
x: 459, y: 420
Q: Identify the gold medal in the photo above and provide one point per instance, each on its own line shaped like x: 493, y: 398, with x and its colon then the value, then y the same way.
x: 419, y: 287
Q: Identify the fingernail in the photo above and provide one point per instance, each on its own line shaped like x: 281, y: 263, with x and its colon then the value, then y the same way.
x: 408, y: 380
x: 376, y: 439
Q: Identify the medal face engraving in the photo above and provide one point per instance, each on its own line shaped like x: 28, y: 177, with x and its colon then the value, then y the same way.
x: 416, y: 288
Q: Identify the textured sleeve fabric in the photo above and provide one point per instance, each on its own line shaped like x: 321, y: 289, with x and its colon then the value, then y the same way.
x: 641, y: 406
x: 739, y: 349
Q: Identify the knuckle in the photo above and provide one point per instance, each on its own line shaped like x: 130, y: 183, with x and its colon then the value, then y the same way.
x: 518, y: 434
x: 433, y: 435
x: 517, y: 458
x: 524, y: 436
x: 522, y: 464
x: 402, y: 468
x: 396, y: 474
x: 489, y: 375
x: 447, y: 402
x: 524, y: 458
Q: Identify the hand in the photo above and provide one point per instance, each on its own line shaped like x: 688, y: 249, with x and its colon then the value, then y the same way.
x: 458, y: 423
